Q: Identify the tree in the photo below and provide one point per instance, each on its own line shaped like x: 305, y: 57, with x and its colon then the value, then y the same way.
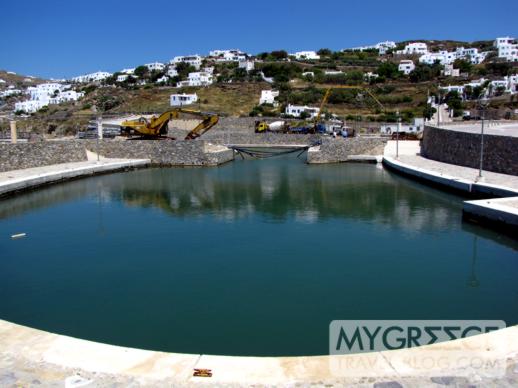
x: 454, y: 102
x: 183, y: 69
x: 428, y: 111
x: 324, y: 52
x: 388, y: 70
x: 141, y: 71
x: 424, y: 72
x: 463, y: 65
x: 279, y: 54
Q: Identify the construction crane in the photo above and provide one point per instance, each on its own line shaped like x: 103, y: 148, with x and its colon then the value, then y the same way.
x: 156, y: 127
x: 331, y: 88
x: 261, y: 126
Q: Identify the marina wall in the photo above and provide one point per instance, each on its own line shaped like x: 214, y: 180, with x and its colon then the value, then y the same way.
x: 463, y: 149
x: 28, y: 155
x: 343, y: 150
x: 160, y: 152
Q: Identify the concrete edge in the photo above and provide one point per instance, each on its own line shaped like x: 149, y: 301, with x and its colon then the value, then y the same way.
x: 42, y: 350
x: 41, y: 179
x: 495, y: 212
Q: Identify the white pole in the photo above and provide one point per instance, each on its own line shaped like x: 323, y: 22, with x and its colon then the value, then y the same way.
x: 14, y: 133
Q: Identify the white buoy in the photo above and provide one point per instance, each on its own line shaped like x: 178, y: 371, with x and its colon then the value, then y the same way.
x: 19, y: 235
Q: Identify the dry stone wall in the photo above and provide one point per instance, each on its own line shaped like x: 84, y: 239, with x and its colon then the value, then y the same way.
x: 340, y: 150
x: 463, y: 149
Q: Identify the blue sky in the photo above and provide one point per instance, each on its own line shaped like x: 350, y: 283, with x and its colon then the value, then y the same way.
x: 66, y: 38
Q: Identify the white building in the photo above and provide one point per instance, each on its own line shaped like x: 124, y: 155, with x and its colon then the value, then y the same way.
x: 46, y: 90
x: 122, y: 77
x: 30, y: 106
x: 183, y: 99
x: 92, y: 77
x: 382, y: 47
x: 308, y: 74
x: 449, y: 71
x: 443, y: 57
x: 297, y: 110
x: 172, y: 72
x: 248, y: 65
x: 162, y: 80
x: 155, y: 66
x: 268, y: 97
x: 507, y: 48
x: 233, y: 55
x: 414, y: 48
x: 301, y: 55
x: 198, y: 78
x: 128, y: 71
x: 471, y: 54
x: 406, y: 66
x: 193, y: 60
x: 333, y: 72
x: 10, y: 92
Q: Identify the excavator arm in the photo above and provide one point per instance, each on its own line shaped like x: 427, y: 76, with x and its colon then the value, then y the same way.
x: 157, y: 126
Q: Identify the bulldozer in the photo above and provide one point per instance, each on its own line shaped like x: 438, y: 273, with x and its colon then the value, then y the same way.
x: 156, y: 126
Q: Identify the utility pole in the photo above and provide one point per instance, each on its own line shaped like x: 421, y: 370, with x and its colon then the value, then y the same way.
x: 483, y: 103
x: 397, y: 133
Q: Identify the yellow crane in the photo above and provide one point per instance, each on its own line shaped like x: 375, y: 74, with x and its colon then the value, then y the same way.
x: 156, y: 126
x: 331, y: 88
x: 262, y: 126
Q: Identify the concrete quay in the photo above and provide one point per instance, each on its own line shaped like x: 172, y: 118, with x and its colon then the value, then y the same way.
x: 501, y: 213
x: 19, y: 180
x: 30, y: 357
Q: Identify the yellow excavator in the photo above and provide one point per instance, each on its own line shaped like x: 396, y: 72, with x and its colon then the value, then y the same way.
x: 156, y: 127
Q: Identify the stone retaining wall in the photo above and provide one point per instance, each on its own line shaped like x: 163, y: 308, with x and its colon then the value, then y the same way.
x: 463, y: 149
x: 260, y: 138
x: 28, y: 155
x: 340, y: 150
x: 164, y: 152
x: 160, y: 152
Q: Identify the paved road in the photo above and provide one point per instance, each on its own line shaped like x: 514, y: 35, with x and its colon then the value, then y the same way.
x: 491, y: 128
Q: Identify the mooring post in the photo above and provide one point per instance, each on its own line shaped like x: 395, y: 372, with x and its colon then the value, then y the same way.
x: 14, y: 133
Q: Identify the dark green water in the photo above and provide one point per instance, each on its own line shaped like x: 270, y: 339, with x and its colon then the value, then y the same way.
x: 252, y: 258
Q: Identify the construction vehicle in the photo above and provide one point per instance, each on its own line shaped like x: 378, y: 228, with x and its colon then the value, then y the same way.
x: 316, y: 126
x: 156, y: 127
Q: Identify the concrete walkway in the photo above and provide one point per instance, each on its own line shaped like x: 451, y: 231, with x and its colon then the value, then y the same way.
x: 17, y: 180
x: 30, y: 357
x: 467, y: 173
x: 500, y: 213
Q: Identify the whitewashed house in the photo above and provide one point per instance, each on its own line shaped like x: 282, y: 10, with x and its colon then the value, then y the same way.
x: 155, y: 66
x: 198, y: 78
x: 414, y: 48
x: 297, y: 110
x: 233, y: 55
x: 172, y: 72
x: 308, y: 74
x: 162, y: 80
x: 268, y: 97
x: 449, y: 71
x: 193, y: 60
x: 443, y: 57
x: 46, y: 90
x: 183, y: 99
x: 507, y: 48
x: 30, y: 106
x: 382, y: 47
x: 406, y: 66
x: 92, y: 77
x: 246, y: 64
x: 128, y: 71
x: 301, y: 55
x: 122, y: 77
x: 10, y: 92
